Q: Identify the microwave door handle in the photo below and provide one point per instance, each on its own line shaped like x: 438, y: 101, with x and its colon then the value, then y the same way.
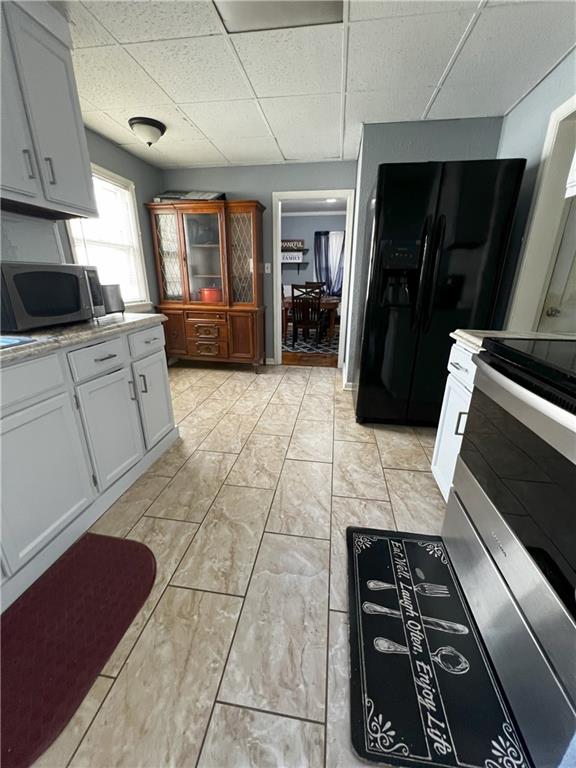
x: 89, y: 292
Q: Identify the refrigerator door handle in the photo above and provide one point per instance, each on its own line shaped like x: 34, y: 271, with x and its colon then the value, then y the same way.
x: 424, y: 252
x: 439, y: 240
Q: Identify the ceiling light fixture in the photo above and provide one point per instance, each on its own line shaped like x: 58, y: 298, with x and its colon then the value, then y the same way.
x: 147, y: 129
x: 330, y: 199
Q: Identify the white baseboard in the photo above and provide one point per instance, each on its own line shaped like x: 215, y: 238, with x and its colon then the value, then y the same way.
x: 271, y: 361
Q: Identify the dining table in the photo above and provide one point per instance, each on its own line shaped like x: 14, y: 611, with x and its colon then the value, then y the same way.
x: 329, y: 304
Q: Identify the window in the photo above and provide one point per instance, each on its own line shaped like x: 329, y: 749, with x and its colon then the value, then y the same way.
x: 111, y: 242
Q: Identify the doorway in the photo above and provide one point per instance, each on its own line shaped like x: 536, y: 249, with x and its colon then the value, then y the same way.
x: 559, y: 310
x: 312, y: 232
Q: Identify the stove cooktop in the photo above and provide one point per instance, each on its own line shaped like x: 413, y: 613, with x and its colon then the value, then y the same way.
x: 545, y: 366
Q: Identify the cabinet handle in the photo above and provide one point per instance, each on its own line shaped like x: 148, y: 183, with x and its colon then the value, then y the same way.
x: 132, y: 389
x: 106, y: 357
x: 144, y: 383
x: 207, y: 331
x: 457, y: 430
x: 28, y: 160
x: 459, y: 367
x: 50, y: 164
x: 204, y: 348
x: 149, y: 341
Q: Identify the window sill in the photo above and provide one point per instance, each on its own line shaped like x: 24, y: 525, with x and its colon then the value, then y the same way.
x: 139, y: 306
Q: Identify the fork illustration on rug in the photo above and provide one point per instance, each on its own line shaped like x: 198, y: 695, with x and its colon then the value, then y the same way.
x: 429, y: 590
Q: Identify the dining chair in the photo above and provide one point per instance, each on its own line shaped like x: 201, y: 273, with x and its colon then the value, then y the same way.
x: 306, y: 312
x: 322, y: 286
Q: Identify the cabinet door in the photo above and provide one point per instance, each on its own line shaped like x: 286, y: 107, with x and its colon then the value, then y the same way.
x: 47, y: 79
x: 46, y: 480
x: 19, y: 171
x: 205, y: 248
x: 110, y: 413
x: 450, y: 430
x: 242, y: 255
x: 151, y: 377
x: 175, y: 332
x: 168, y: 256
x: 241, y: 341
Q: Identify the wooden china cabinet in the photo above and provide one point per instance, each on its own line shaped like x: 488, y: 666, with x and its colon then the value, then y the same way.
x: 209, y: 266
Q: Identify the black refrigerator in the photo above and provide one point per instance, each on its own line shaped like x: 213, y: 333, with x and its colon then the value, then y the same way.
x: 437, y: 235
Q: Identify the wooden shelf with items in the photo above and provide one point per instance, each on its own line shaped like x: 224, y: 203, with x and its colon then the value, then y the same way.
x: 210, y: 276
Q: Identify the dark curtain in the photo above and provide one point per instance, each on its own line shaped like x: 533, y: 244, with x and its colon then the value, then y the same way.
x: 322, y: 260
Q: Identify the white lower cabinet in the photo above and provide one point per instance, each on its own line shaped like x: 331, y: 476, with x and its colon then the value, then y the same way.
x: 46, y: 480
x: 151, y: 379
x: 110, y: 415
x: 450, y: 430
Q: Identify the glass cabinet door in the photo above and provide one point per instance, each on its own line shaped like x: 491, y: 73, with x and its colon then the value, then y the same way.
x: 172, y: 288
x: 204, y: 257
x: 241, y: 256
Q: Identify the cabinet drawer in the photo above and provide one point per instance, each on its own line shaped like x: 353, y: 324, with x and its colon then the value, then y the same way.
x: 97, y: 359
x: 211, y: 317
x: 27, y: 380
x: 206, y: 330
x: 200, y: 348
x: 461, y: 366
x: 147, y: 341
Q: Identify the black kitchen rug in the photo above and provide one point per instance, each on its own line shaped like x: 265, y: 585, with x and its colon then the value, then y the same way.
x: 423, y: 692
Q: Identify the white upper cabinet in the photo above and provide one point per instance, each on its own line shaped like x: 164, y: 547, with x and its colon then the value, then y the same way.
x: 151, y: 378
x: 46, y: 79
x: 20, y: 179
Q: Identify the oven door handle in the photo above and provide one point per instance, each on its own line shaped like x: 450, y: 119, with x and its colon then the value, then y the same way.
x: 553, y: 424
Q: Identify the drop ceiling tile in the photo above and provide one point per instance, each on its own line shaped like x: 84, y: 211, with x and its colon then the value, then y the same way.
x: 86, y: 31
x: 292, y: 116
x: 511, y: 48
x: 381, y: 9
x: 402, y: 52
x: 477, y: 100
x: 254, y: 150
x: 186, y: 153
x: 106, y: 126
x: 227, y: 119
x: 198, y: 69
x: 150, y: 155
x: 310, y: 146
x: 390, y: 106
x: 287, y: 62
x: 132, y: 22
x: 108, y: 77
x: 178, y: 127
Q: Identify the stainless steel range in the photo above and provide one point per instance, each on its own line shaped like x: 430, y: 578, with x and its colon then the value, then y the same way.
x: 510, y: 529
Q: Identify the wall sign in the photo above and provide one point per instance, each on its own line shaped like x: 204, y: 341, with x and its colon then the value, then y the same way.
x: 293, y: 257
x: 292, y: 245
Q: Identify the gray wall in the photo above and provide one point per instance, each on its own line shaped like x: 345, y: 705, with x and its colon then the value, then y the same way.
x: 257, y: 182
x: 303, y: 228
x: 470, y: 139
x: 523, y: 133
x: 148, y: 181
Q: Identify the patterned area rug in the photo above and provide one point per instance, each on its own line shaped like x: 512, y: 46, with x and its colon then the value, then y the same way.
x: 325, y: 347
x: 423, y: 692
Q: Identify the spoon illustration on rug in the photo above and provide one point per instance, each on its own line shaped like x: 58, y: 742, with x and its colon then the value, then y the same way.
x: 427, y: 589
x: 448, y: 658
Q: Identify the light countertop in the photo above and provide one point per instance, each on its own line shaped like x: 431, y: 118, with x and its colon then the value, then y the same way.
x: 472, y: 339
x: 47, y: 340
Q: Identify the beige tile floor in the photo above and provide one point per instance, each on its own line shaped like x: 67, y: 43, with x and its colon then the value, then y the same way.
x: 239, y: 657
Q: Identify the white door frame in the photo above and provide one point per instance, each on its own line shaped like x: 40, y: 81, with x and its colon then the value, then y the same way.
x: 539, y: 253
x: 277, y: 199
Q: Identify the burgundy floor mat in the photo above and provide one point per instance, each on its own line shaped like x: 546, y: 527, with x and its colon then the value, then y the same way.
x: 59, y: 634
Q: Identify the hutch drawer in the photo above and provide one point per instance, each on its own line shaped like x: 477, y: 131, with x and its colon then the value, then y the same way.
x: 206, y: 330
x: 212, y: 317
x: 200, y: 348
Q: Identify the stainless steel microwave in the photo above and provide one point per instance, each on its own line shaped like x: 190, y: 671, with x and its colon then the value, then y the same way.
x: 39, y: 295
